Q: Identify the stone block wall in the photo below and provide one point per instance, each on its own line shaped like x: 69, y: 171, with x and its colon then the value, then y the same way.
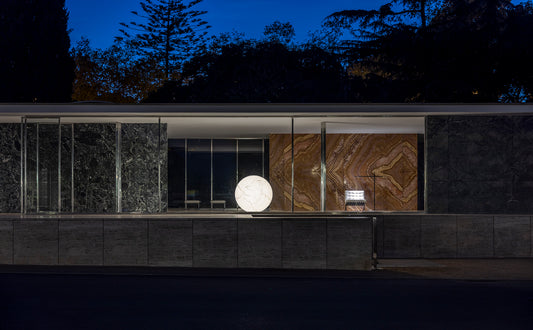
x: 479, y: 164
x: 454, y: 236
x: 321, y: 243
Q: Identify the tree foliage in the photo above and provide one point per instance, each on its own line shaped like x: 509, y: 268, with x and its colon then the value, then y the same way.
x: 168, y: 31
x: 279, y: 32
x: 257, y: 71
x: 35, y: 65
x: 404, y: 51
x: 114, y: 74
x: 466, y: 51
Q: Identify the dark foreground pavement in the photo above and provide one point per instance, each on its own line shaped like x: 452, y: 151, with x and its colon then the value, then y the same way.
x: 70, y: 298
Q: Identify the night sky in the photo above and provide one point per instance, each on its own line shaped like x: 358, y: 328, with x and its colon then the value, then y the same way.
x: 99, y: 20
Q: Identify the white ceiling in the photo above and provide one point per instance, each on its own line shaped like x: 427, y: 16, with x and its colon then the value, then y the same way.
x: 255, y: 126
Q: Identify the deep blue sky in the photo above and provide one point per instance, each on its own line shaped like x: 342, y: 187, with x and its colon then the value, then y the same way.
x: 99, y: 20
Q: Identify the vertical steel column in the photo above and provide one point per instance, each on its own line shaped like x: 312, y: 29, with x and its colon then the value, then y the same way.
x: 292, y: 164
x: 118, y: 169
x: 263, y: 157
x: 426, y: 164
x: 211, y: 183
x: 159, y: 166
x: 323, y: 166
x: 237, y: 162
x: 72, y: 168
x: 186, y: 147
x: 37, y: 171
x: 59, y: 166
x: 22, y: 165
x: 374, y: 244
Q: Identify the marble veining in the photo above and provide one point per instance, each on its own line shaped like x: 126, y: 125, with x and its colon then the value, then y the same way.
x: 140, y: 155
x: 94, y: 168
x: 351, y: 162
x: 280, y: 173
x: 10, y: 167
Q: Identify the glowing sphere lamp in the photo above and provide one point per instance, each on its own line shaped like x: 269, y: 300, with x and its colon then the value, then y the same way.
x: 253, y: 194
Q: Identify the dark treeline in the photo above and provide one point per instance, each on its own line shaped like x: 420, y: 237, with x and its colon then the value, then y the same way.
x: 403, y: 51
x: 35, y: 63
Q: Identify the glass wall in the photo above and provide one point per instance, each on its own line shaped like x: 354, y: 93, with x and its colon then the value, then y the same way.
x: 152, y: 164
x: 208, y: 156
x: 93, y: 165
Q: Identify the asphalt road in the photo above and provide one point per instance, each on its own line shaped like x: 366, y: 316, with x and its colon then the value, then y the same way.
x: 32, y: 301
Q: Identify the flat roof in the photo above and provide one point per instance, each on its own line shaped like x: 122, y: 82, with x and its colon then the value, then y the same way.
x: 257, y: 109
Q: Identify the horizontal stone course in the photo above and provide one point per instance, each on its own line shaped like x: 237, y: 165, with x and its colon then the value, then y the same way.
x: 170, y: 243
x: 35, y: 242
x: 6, y: 242
x: 125, y: 242
x: 475, y: 236
x: 306, y: 243
x: 512, y: 236
x: 81, y: 242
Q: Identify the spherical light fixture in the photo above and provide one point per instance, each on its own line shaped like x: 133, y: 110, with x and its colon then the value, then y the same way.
x: 253, y: 194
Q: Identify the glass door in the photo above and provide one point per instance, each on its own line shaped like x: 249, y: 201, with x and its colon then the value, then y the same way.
x: 42, y: 165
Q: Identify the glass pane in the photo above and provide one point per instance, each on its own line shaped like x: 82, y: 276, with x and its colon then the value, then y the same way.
x: 41, y: 165
x: 307, y: 164
x: 48, y: 167
x: 378, y: 156
x: 250, y: 158
x: 199, y: 171
x: 214, y: 176
x: 224, y: 171
x: 66, y: 168
x: 176, y: 173
x: 30, y: 170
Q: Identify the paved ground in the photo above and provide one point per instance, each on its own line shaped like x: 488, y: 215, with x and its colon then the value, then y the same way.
x: 407, y: 294
x: 465, y: 269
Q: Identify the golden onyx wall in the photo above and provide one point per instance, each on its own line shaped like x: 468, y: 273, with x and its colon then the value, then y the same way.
x: 351, y: 162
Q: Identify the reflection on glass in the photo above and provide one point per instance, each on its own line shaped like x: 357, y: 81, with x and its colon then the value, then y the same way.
x: 199, y: 171
x: 48, y: 167
x: 176, y: 172
x: 225, y: 171
x: 250, y: 158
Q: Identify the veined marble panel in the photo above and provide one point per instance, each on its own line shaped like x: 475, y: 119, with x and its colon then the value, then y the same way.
x: 66, y: 168
x: 94, y: 168
x: 31, y: 168
x: 163, y: 160
x: 10, y: 167
x: 140, y: 158
x: 280, y: 173
x: 353, y: 158
x: 306, y: 172
x: 351, y: 162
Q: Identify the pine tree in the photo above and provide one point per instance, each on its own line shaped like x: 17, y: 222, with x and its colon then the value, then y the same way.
x: 169, y: 31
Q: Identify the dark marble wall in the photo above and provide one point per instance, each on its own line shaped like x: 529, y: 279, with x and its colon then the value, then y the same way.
x: 479, y: 164
x: 141, y: 150
x: 10, y: 167
x: 94, y: 168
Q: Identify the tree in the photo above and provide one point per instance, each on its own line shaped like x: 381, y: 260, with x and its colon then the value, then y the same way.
x: 169, y: 31
x: 369, y: 24
x: 114, y: 74
x: 35, y: 64
x: 279, y: 32
x: 440, y: 51
x: 258, y: 71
